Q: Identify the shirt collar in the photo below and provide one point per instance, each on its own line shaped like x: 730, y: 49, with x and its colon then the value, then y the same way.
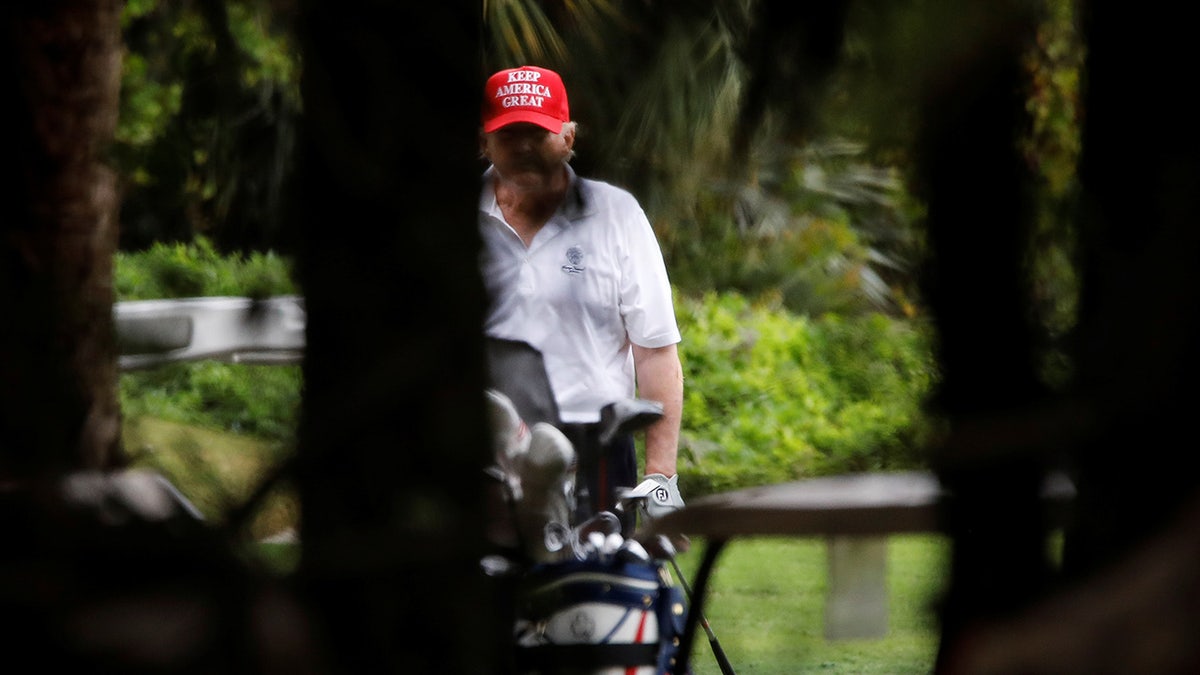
x: 577, y: 203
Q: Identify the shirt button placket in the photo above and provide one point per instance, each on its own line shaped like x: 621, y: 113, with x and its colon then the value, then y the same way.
x: 526, y: 284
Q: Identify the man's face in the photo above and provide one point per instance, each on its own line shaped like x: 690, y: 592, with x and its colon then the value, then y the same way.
x: 527, y: 150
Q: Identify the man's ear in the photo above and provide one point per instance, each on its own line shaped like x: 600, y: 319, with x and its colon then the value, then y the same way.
x: 482, y: 144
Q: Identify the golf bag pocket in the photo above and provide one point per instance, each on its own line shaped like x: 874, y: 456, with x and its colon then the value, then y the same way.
x: 598, y: 617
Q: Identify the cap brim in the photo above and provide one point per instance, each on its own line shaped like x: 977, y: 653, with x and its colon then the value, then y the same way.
x: 547, y: 122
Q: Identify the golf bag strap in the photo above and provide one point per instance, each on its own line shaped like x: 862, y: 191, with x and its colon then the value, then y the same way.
x: 595, y: 656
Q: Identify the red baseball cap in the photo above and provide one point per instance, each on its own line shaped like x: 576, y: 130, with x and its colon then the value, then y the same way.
x: 525, y: 94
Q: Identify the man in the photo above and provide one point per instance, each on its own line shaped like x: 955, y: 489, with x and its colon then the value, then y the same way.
x: 572, y: 268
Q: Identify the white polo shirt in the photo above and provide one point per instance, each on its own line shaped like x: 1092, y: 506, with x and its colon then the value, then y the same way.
x: 591, y: 283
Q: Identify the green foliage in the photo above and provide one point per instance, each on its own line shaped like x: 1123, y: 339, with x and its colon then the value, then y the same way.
x: 1052, y: 147
x: 209, y: 94
x: 771, y: 396
x: 272, y: 57
x: 519, y: 32
x: 182, y: 270
x: 147, y: 107
x: 824, y: 227
x: 1055, y: 67
x: 260, y: 401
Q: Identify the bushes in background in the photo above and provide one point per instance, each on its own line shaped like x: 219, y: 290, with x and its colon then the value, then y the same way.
x: 770, y: 396
x: 195, y: 269
x: 256, y: 400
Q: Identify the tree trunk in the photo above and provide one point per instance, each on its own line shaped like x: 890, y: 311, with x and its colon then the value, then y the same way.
x: 1128, y: 599
x: 978, y: 192
x: 1140, y: 308
x: 392, y: 434
x: 60, y: 65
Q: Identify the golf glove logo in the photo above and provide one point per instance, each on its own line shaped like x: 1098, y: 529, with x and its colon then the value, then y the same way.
x: 658, y: 495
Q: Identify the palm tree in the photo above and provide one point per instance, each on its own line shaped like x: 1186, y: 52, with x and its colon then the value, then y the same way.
x: 710, y: 113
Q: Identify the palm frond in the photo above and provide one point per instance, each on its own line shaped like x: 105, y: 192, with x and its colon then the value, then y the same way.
x: 521, y: 33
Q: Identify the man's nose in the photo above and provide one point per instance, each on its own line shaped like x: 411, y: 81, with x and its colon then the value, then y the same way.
x: 527, y: 140
x: 523, y: 134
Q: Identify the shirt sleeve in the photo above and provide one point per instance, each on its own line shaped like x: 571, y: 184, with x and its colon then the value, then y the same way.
x: 646, y: 302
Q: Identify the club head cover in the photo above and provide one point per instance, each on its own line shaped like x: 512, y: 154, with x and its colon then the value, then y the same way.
x: 510, y: 437
x: 547, y: 478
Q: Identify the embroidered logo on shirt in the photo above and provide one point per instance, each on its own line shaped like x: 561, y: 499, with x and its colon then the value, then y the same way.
x: 575, y: 260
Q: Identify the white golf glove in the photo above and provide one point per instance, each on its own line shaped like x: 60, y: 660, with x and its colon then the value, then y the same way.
x: 661, y: 494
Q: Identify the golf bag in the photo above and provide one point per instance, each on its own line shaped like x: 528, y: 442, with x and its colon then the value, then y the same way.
x: 586, y: 597
x: 598, y: 616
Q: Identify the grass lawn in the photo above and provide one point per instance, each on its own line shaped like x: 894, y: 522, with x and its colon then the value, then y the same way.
x: 213, y: 469
x: 766, y: 599
x: 766, y: 605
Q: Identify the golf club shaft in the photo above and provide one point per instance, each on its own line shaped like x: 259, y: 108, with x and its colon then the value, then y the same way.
x: 722, y: 660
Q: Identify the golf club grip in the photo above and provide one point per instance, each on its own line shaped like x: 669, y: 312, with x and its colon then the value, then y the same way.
x: 722, y: 660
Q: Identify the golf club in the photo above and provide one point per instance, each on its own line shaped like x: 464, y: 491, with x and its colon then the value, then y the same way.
x: 664, y: 543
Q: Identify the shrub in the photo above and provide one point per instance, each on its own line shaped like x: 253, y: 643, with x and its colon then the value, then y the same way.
x: 772, y: 397
x: 195, y: 269
x: 255, y: 400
